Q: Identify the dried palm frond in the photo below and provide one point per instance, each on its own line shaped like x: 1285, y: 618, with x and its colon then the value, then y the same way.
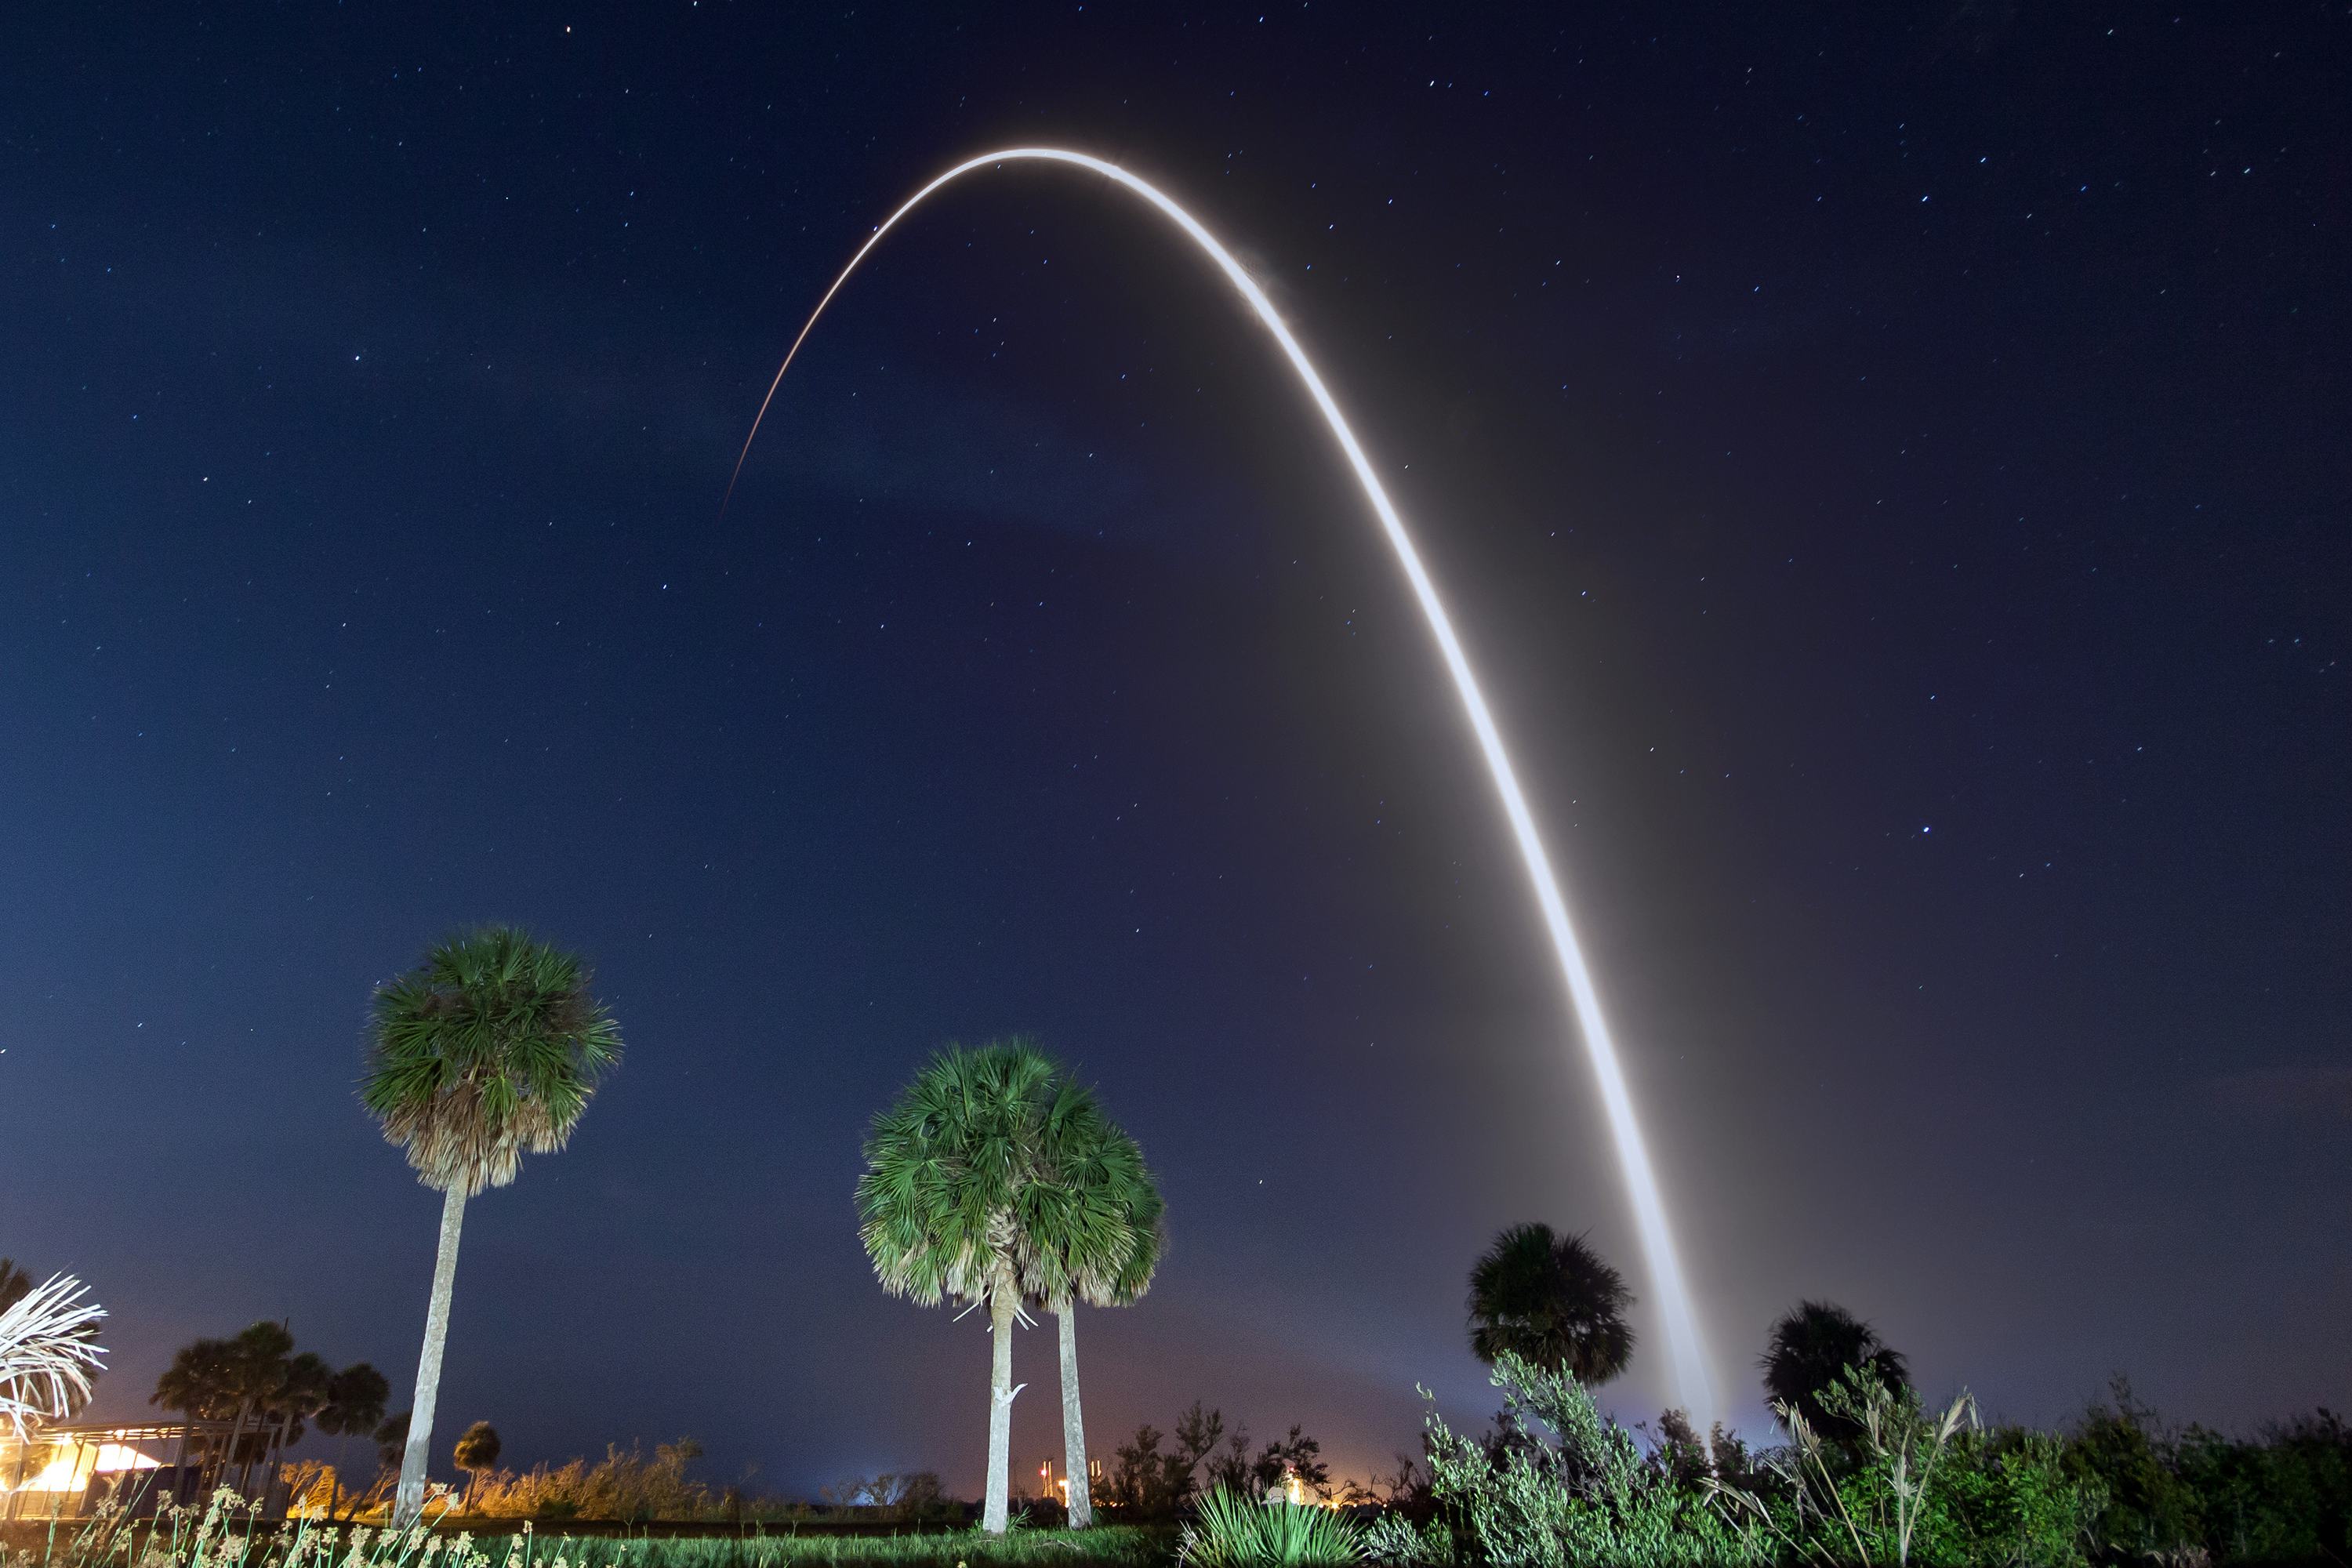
x: 47, y: 1354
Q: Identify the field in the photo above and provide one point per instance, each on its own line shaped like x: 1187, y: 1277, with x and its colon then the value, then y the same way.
x: 30, y: 1545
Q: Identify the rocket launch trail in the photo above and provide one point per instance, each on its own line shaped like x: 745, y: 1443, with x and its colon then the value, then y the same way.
x: 1693, y: 1385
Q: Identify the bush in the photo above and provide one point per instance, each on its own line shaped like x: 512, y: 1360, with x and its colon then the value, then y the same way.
x: 2007, y: 1497
x: 2256, y: 1502
x: 1906, y: 1486
x: 915, y: 1498
x: 1234, y: 1531
x: 625, y: 1485
x: 1396, y: 1542
x: 2200, y: 1494
x: 1559, y: 1485
x: 2146, y: 1510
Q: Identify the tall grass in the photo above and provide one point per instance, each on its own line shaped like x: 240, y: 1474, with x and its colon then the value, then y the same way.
x: 230, y: 1533
x: 1108, y: 1546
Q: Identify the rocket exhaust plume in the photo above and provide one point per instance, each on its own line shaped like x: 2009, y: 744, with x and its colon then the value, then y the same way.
x: 1694, y: 1388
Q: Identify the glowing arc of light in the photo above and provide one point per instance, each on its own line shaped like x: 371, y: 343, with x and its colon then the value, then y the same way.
x: 1693, y: 1383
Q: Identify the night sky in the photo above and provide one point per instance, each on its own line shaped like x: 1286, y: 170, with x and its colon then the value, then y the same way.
x: 1889, y: 466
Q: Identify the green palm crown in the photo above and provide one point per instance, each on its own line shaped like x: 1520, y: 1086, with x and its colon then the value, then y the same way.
x: 948, y: 1167
x: 1094, y: 1225
x: 491, y: 1047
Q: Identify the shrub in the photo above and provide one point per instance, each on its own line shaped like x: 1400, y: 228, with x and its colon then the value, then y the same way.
x: 2200, y: 1494
x: 624, y: 1485
x: 914, y: 1498
x: 1559, y: 1485
x: 1232, y: 1531
x: 2007, y: 1497
x: 1859, y: 1501
x: 2145, y: 1511
x: 1396, y: 1542
x: 1911, y: 1487
x: 2256, y: 1501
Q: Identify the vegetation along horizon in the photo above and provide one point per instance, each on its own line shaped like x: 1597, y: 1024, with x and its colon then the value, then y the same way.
x: 997, y: 1182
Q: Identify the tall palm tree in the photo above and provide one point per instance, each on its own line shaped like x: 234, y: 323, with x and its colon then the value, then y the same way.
x: 200, y: 1383
x: 490, y: 1048
x: 1810, y: 1348
x: 257, y: 1371
x: 1093, y: 1232
x: 1551, y: 1301
x: 939, y: 1207
x: 234, y: 1380
x: 296, y: 1394
x: 391, y: 1447
x: 354, y: 1408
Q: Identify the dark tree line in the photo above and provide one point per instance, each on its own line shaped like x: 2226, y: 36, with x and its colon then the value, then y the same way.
x: 270, y: 1395
x: 1148, y: 1481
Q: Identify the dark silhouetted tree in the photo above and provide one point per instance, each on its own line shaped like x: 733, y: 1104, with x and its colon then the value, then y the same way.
x: 1297, y: 1455
x: 1810, y: 1348
x: 242, y: 1381
x: 476, y: 1454
x: 1550, y: 1299
x: 390, y: 1444
x: 354, y: 1408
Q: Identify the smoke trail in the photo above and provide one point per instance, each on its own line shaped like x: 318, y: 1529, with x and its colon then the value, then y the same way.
x: 1693, y: 1388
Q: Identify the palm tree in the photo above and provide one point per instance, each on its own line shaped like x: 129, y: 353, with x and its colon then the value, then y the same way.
x: 297, y: 1393
x: 1550, y: 1299
x: 490, y: 1048
x: 476, y: 1454
x: 1809, y: 1349
x: 1093, y: 1231
x: 233, y: 1380
x: 16, y: 1285
x: 47, y: 1353
x: 354, y: 1408
x: 200, y: 1385
x: 391, y: 1446
x: 939, y: 1207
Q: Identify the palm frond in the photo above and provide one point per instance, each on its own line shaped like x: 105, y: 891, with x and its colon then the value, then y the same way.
x: 46, y: 1354
x: 1552, y: 1301
x: 491, y: 1049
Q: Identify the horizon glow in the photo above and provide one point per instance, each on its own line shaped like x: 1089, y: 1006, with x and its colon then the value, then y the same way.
x: 1686, y: 1349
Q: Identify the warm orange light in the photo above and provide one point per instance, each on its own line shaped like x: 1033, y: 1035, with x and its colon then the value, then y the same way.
x: 71, y: 1470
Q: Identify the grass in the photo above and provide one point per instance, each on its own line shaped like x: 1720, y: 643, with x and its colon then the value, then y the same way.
x: 1108, y: 1546
x: 227, y: 1535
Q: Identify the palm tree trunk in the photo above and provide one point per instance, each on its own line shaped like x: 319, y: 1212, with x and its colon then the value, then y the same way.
x: 994, y: 1507
x: 409, y: 1502
x: 274, y: 1465
x: 1074, y: 1426
x: 235, y: 1444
